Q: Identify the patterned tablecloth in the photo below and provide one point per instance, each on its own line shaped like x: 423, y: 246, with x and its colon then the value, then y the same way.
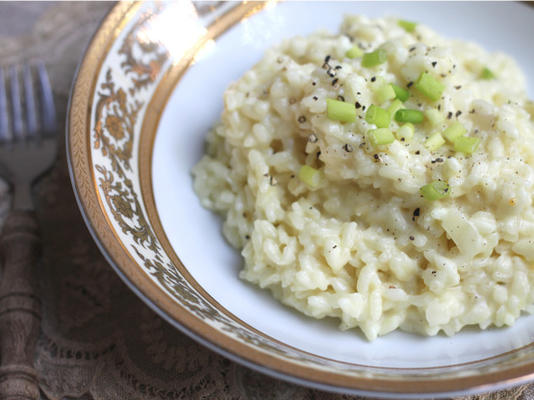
x: 98, y: 339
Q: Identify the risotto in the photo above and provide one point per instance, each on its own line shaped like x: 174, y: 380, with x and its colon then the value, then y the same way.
x: 382, y: 176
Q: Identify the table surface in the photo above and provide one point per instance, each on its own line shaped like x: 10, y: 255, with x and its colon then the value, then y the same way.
x: 98, y: 340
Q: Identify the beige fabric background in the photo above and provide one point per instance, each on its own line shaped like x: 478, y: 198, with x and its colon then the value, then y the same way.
x: 98, y: 340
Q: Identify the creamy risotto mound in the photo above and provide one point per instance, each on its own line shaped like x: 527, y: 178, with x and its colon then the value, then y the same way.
x: 382, y: 176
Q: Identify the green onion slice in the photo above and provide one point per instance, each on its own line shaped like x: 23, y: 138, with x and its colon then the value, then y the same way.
x: 454, y: 131
x: 405, y: 132
x: 429, y: 86
x: 394, y: 106
x: 407, y: 115
x: 378, y: 116
x: 374, y: 58
x: 487, y: 74
x: 401, y: 93
x: 408, y: 26
x: 434, y: 142
x: 466, y: 144
x: 435, y: 190
x: 381, y: 136
x: 355, y: 52
x: 384, y: 93
x: 310, y: 176
x: 340, y: 111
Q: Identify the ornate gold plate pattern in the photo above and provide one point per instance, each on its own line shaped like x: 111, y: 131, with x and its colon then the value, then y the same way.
x: 122, y: 87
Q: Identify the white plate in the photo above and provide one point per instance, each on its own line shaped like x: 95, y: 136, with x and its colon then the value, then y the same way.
x: 178, y: 111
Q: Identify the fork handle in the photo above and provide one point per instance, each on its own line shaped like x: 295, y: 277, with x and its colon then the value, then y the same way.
x: 20, y: 307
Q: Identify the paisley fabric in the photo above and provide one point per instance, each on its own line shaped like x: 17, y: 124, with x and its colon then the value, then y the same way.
x: 98, y: 340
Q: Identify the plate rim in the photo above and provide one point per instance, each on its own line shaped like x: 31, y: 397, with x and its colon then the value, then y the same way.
x: 140, y: 283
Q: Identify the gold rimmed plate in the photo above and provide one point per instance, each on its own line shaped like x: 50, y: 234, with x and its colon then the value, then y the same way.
x: 148, y: 90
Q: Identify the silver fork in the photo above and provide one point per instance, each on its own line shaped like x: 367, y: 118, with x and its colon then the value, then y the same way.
x: 27, y: 151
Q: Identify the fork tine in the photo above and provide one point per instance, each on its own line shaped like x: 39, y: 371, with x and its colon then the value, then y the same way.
x: 31, y: 115
x: 4, y: 121
x: 16, y: 106
x: 47, y: 101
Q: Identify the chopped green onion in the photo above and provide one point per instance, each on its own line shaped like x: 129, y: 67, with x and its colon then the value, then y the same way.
x: 408, y: 26
x: 435, y: 190
x: 374, y: 58
x: 434, y: 142
x: 405, y: 132
x: 378, y: 116
x: 429, y: 86
x: 310, y: 176
x: 401, y: 93
x: 384, y: 93
x: 381, y: 136
x: 454, y: 131
x: 487, y: 74
x: 354, y: 52
x: 394, y: 106
x: 407, y: 115
x: 434, y: 116
x: 340, y: 111
x: 466, y: 144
